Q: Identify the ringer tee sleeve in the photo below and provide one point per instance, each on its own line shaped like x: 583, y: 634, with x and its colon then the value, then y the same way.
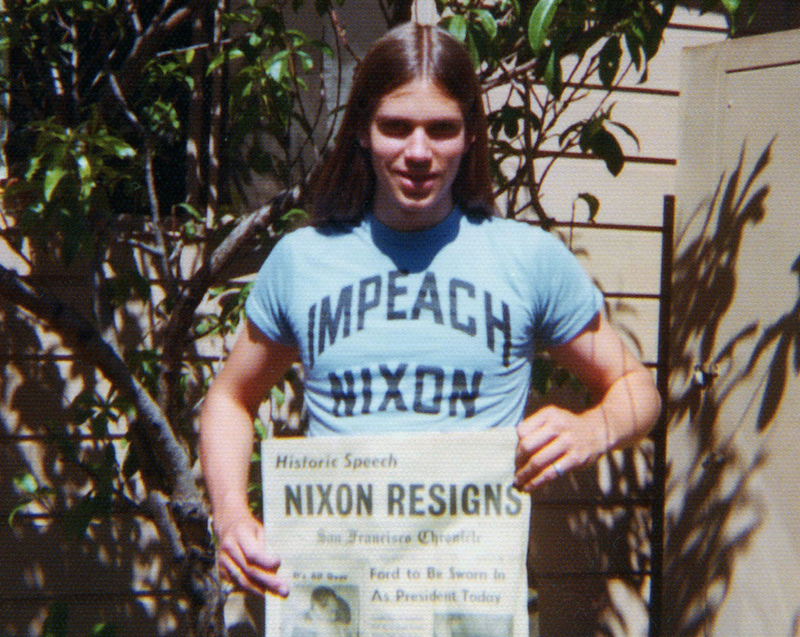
x: 570, y: 299
x: 268, y: 303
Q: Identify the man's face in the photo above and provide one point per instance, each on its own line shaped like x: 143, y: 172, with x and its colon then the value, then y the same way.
x: 416, y: 139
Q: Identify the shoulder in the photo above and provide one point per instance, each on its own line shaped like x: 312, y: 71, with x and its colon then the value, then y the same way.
x: 501, y: 225
x: 329, y: 231
x: 514, y: 235
x: 309, y: 238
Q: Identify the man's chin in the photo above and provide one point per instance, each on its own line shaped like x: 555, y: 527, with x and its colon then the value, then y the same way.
x: 419, y: 200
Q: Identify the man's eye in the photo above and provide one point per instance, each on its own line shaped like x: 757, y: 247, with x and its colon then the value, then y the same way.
x: 444, y: 129
x: 394, y: 127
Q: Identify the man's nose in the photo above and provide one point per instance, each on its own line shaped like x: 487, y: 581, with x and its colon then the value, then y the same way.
x: 418, y: 147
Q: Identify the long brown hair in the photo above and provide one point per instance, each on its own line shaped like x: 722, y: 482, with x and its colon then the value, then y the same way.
x: 346, y: 183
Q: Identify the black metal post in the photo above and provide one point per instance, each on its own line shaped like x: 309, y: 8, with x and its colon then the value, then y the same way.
x: 659, y: 434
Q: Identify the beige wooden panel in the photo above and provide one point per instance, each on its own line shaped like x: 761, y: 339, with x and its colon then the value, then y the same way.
x: 637, y: 322
x: 693, y: 18
x: 635, y: 109
x: 656, y: 134
x: 733, y: 499
x: 663, y: 72
x: 621, y: 260
x: 634, y: 197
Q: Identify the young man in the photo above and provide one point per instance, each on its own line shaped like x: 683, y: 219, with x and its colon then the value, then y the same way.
x: 412, y: 307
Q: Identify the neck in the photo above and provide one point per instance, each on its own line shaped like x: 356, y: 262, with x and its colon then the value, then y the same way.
x: 408, y: 219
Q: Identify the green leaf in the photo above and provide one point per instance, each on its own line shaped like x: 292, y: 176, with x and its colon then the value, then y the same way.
x: 193, y: 212
x: 539, y: 23
x: 652, y: 31
x: 606, y: 146
x: 324, y: 47
x: 99, y: 426
x: 306, y: 61
x: 294, y: 215
x: 731, y: 6
x: 511, y: 127
x: 589, y: 130
x: 457, y: 27
x: 633, y: 50
x: 55, y: 625
x: 278, y: 397
x: 115, y: 146
x: 610, y: 56
x: 104, y: 630
x: 472, y: 49
x: 487, y: 22
x: 562, y: 138
x: 220, y: 59
x: 552, y: 74
x: 593, y: 203
x: 19, y: 507
x: 51, y: 180
x: 26, y: 483
x: 84, y: 170
x: 261, y: 430
x: 277, y: 66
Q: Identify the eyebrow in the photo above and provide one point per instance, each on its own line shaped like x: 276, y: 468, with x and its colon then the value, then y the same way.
x: 423, y: 121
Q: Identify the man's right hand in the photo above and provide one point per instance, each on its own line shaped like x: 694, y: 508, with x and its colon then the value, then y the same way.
x: 244, y: 559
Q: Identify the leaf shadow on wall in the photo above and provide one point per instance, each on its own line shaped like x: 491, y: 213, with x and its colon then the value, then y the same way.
x: 714, y: 512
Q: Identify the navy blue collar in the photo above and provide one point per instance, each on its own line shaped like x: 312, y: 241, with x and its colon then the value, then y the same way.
x: 415, y: 250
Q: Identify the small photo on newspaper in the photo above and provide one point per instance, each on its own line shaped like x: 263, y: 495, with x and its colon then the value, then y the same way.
x: 397, y: 536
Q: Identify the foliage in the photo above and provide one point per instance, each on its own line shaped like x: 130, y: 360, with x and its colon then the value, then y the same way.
x: 152, y: 145
x: 56, y: 623
x: 546, y: 56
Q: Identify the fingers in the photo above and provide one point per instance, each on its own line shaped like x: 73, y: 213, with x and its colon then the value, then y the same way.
x: 244, y: 560
x: 256, y: 580
x: 539, y: 471
x: 543, y: 449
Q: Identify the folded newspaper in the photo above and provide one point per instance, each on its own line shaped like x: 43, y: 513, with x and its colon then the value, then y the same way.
x: 397, y: 536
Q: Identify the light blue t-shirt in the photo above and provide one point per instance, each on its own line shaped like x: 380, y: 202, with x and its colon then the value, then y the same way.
x: 432, y: 330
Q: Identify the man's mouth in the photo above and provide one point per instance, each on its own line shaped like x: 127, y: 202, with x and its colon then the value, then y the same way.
x: 416, y: 181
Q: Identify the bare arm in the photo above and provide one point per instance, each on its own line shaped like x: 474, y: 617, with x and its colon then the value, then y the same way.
x: 626, y: 405
x: 226, y: 444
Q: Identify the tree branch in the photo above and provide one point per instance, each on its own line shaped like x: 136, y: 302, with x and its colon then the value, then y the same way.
x: 86, y: 340
x: 148, y: 42
x: 180, y: 321
x: 157, y: 507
